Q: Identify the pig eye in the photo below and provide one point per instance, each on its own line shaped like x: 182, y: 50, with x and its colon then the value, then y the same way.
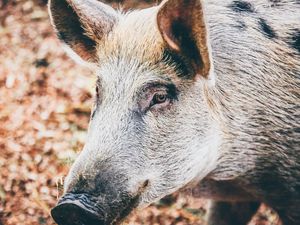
x: 159, y: 98
x: 98, y: 94
x: 96, y: 101
x: 97, y: 90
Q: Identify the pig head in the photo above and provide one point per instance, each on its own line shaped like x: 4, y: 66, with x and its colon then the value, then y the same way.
x: 151, y: 131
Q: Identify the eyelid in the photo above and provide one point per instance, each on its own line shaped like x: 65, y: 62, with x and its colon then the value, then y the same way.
x: 160, y: 86
x: 147, y: 92
x: 163, y: 85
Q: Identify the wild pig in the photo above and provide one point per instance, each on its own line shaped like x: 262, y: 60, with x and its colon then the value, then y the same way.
x: 189, y: 93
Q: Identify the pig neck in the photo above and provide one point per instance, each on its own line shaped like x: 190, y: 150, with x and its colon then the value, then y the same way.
x: 254, y: 98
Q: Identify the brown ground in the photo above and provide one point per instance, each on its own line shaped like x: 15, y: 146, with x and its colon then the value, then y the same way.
x: 45, y: 103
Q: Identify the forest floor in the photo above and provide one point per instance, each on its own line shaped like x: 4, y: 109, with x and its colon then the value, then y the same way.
x: 45, y: 101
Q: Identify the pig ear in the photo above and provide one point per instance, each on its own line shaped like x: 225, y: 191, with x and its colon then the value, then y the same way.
x: 81, y: 24
x: 182, y: 26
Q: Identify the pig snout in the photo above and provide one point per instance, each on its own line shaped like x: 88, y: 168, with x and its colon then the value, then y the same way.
x: 85, y: 209
x: 99, y: 195
x: 76, y: 209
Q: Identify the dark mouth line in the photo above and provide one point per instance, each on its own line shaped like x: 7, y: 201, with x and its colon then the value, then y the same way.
x: 123, y: 214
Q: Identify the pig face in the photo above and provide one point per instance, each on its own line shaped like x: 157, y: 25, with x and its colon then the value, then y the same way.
x: 151, y: 131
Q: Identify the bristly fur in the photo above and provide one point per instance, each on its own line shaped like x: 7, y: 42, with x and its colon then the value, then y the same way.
x: 239, y: 135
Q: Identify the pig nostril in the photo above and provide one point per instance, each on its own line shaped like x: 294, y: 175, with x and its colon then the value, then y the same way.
x: 73, y: 214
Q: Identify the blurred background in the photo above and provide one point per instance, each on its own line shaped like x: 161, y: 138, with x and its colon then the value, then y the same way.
x: 45, y: 101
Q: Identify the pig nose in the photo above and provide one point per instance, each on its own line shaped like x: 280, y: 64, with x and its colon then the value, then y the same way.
x: 73, y: 209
